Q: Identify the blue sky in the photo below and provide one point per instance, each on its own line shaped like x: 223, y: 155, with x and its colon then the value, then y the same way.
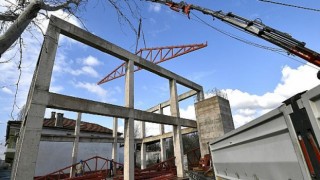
x: 256, y: 80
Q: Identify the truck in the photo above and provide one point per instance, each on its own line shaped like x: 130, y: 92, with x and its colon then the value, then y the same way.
x: 282, y: 144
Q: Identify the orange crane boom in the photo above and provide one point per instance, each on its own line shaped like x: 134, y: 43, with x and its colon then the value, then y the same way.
x: 256, y: 28
x: 155, y: 55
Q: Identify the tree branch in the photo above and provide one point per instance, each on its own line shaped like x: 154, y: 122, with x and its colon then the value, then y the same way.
x: 48, y: 7
x: 8, y: 17
x: 19, y: 25
x: 23, y: 20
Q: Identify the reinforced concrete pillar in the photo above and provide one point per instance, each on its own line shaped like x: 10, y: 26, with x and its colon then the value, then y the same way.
x: 163, y: 152
x: 31, y: 127
x: 177, y: 137
x: 200, y: 95
x: 143, y: 146
x: 115, y: 142
x: 129, y: 123
x: 75, y: 148
x: 214, y: 119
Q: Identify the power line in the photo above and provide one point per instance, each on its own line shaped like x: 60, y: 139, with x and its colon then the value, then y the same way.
x: 290, y: 5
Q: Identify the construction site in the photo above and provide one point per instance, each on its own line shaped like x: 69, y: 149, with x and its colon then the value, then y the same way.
x: 280, y: 144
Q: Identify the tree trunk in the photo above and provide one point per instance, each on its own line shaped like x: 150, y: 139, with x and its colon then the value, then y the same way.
x: 19, y: 25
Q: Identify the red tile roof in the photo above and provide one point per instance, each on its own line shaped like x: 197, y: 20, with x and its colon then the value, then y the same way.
x: 70, y: 124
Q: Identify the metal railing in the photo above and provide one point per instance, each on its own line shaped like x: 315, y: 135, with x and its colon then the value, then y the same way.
x: 95, y: 167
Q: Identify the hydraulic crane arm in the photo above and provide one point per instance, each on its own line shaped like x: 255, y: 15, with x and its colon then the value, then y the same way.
x: 256, y: 28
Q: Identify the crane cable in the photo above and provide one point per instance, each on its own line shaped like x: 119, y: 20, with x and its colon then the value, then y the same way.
x: 239, y: 38
x: 276, y: 50
x: 290, y: 5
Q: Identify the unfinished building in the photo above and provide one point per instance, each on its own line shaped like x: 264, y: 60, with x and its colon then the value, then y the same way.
x: 40, y: 98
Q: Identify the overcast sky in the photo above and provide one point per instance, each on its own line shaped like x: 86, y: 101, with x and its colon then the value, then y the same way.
x: 256, y: 80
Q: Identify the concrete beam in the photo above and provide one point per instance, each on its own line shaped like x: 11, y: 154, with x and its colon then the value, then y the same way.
x: 69, y: 103
x: 167, y: 135
x: 181, y: 97
x: 96, y: 42
x: 82, y: 139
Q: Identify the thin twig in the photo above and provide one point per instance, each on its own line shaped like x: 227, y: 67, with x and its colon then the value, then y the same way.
x: 19, y: 77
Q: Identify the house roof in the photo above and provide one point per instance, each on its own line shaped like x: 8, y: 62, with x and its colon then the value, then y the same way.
x: 67, y: 124
x: 70, y: 124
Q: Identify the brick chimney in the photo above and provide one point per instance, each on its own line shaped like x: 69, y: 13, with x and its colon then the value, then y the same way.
x: 59, y: 120
x: 53, y: 115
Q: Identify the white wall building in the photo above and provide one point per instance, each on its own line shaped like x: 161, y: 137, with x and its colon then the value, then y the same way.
x: 52, y: 155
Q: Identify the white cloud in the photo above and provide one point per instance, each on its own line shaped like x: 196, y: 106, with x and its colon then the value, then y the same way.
x: 247, y: 112
x: 89, y: 71
x: 166, y: 111
x: 118, y: 89
x: 297, y: 80
x: 159, y: 30
x: 121, y: 129
x: 167, y: 128
x: 196, y: 76
x: 152, y: 129
x: 246, y: 106
x: 43, y: 24
x: 7, y: 90
x: 93, y: 88
x: 56, y: 89
x: 154, y: 7
x: 188, y: 113
x: 61, y: 66
x: 240, y: 120
x: 91, y: 61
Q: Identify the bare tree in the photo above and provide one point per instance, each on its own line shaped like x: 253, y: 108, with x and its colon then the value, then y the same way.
x: 136, y: 132
x: 18, y: 16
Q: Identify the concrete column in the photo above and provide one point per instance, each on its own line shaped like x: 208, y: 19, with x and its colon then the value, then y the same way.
x: 115, y: 142
x: 19, y: 138
x: 129, y: 123
x: 200, y: 96
x: 143, y: 146
x: 214, y: 119
x: 163, y: 153
x: 31, y: 128
x: 75, y: 148
x: 177, y: 137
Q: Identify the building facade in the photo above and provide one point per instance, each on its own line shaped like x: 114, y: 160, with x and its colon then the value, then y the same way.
x: 56, y: 153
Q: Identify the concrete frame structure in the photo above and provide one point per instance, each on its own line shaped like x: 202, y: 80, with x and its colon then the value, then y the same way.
x: 163, y: 136
x: 39, y: 98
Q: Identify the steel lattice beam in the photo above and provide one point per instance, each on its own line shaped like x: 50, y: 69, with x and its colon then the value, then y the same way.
x: 155, y: 55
